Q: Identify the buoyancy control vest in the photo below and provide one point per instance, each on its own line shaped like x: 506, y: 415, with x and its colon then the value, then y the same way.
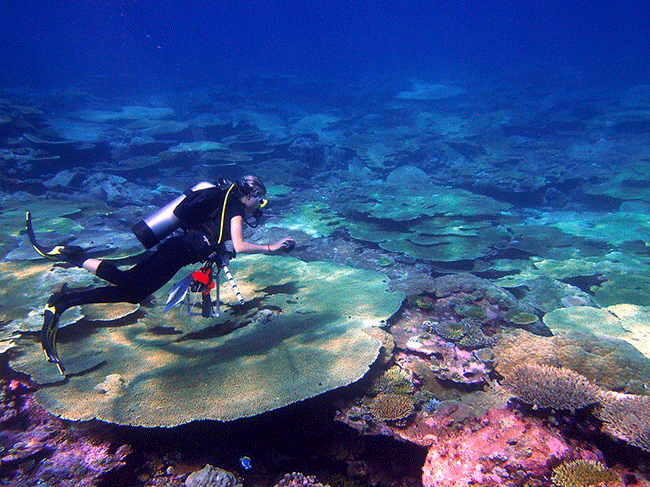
x: 193, y: 208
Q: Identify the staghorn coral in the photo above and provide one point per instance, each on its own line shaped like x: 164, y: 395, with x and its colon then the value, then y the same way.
x: 584, y: 473
x: 392, y: 407
x: 627, y: 417
x: 551, y: 387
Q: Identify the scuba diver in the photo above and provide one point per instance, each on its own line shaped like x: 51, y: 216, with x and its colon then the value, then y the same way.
x: 209, y: 214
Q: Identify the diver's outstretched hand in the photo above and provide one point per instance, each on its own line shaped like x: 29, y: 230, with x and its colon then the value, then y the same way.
x: 285, y: 245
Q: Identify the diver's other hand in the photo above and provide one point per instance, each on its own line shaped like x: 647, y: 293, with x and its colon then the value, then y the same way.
x: 285, y: 245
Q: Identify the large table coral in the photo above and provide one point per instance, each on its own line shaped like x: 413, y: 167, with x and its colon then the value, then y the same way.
x: 299, y: 335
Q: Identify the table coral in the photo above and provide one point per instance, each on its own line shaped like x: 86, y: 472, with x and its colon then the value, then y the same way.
x: 232, y: 367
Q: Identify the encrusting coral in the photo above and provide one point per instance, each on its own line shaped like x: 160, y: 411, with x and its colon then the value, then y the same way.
x: 584, y: 473
x: 627, y: 417
x: 551, y: 387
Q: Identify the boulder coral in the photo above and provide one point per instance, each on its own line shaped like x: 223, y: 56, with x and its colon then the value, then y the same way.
x: 173, y: 369
x: 210, y: 476
x: 611, y: 362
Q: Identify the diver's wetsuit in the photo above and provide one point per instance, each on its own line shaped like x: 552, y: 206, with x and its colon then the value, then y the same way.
x: 149, y: 275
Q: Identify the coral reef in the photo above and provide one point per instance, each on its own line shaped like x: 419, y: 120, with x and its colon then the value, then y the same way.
x: 466, y: 333
x: 542, y: 386
x: 584, y: 473
x: 626, y: 417
x: 394, y: 380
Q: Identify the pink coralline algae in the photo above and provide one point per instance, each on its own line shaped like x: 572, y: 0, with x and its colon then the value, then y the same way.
x: 39, y: 449
x: 503, y: 449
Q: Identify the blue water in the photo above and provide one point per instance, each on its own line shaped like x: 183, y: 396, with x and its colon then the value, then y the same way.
x: 54, y: 42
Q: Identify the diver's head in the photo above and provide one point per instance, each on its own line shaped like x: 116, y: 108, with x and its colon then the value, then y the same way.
x: 251, y: 192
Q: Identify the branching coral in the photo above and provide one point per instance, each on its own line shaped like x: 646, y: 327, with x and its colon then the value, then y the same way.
x: 392, y: 407
x: 583, y: 473
x: 394, y: 380
x: 550, y: 387
x: 627, y: 417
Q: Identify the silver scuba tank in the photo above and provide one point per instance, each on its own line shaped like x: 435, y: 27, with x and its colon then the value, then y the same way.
x: 162, y: 223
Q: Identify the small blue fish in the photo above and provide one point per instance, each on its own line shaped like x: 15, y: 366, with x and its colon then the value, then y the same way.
x: 245, y: 463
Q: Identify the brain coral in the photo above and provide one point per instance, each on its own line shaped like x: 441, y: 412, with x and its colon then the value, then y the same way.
x: 583, y: 473
x: 392, y: 407
x: 627, y: 417
x: 174, y: 369
x: 551, y: 387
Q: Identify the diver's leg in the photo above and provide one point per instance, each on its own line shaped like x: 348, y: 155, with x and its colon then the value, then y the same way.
x: 64, y: 299
x: 131, y: 286
x: 151, y: 273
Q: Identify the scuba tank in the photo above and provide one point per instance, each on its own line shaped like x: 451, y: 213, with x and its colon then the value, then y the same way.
x: 162, y: 223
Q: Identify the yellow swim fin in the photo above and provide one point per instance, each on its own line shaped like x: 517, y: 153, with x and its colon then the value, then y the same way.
x: 59, y: 253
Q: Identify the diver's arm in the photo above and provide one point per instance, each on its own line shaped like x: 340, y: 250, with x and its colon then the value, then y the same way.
x: 241, y: 246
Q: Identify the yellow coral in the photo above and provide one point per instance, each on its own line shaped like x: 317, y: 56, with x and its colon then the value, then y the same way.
x: 392, y: 407
x: 584, y: 473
